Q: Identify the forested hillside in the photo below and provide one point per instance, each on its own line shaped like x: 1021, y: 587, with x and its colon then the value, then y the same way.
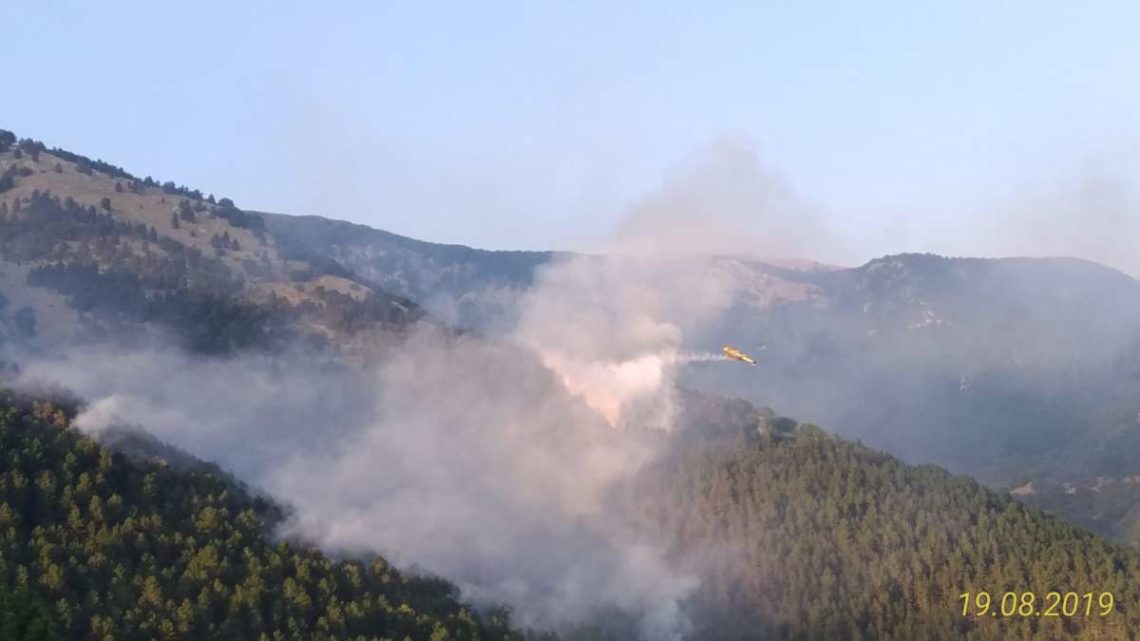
x: 804, y: 536
x: 96, y: 546
x: 794, y: 534
x: 996, y: 368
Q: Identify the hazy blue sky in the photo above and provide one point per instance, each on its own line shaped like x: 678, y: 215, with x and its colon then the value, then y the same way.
x: 903, y: 125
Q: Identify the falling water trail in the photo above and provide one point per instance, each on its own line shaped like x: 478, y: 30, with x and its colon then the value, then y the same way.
x: 700, y: 357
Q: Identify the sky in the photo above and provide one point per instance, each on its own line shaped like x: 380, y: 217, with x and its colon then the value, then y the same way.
x: 966, y: 128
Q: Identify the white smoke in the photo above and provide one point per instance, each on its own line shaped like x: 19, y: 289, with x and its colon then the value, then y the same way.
x: 613, y: 326
x: 461, y: 457
x: 469, y: 458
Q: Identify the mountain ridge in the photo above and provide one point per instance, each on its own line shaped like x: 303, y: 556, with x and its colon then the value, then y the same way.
x: 926, y: 356
x: 75, y: 226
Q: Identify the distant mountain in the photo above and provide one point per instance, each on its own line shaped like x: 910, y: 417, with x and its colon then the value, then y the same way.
x: 476, y: 288
x: 1011, y: 370
x: 471, y: 288
x: 1008, y: 369
x: 997, y: 368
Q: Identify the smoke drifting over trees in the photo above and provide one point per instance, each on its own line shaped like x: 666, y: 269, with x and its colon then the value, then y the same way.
x: 463, y: 458
x: 491, y: 460
x: 484, y: 461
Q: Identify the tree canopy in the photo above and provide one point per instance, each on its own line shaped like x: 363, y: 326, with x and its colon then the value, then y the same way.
x: 96, y: 546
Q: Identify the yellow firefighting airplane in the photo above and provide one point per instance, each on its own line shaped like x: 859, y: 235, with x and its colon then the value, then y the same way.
x: 737, y: 355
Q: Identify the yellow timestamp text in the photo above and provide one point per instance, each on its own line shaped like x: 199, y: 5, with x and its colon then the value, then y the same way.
x: 1030, y: 604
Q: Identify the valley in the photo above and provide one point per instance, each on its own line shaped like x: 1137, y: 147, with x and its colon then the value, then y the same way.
x: 347, y: 380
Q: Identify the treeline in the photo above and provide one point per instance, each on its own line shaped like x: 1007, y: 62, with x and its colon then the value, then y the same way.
x: 803, y: 536
x: 96, y: 546
x: 84, y: 165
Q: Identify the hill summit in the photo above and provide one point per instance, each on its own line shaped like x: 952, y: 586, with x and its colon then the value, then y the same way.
x: 88, y: 250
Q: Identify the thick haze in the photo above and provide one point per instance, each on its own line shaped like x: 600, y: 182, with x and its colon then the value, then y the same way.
x: 486, y: 461
x: 906, y: 126
x: 461, y: 457
x: 495, y: 482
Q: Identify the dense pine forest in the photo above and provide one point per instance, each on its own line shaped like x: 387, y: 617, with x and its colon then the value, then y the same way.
x: 805, y: 536
x: 96, y: 546
x: 794, y: 534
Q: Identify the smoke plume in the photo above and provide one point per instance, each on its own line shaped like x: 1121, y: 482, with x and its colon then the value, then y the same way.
x: 487, y: 461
